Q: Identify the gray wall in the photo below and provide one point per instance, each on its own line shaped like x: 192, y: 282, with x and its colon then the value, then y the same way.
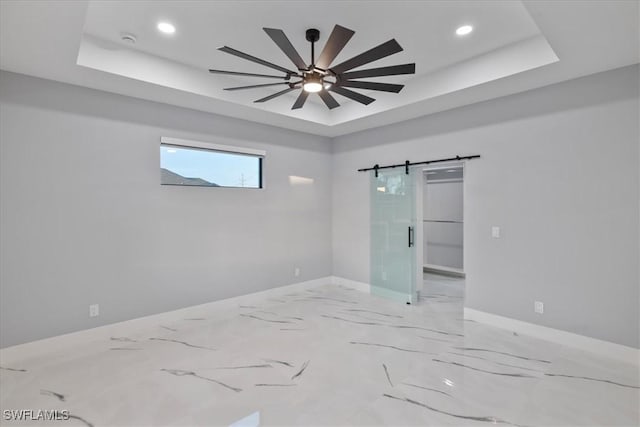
x: 559, y: 173
x: 84, y: 219
x: 443, y: 241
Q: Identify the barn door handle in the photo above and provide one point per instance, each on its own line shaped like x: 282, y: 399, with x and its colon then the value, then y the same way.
x: 410, y: 235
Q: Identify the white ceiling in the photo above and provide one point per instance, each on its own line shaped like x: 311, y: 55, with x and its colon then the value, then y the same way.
x: 426, y: 31
x: 180, y: 61
x: 515, y: 46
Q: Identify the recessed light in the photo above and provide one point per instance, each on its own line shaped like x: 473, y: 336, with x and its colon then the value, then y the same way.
x: 464, y: 30
x: 171, y: 150
x: 452, y: 170
x: 431, y: 173
x: 167, y: 28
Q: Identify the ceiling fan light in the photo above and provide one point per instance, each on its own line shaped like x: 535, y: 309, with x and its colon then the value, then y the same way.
x: 312, y: 87
x: 312, y: 83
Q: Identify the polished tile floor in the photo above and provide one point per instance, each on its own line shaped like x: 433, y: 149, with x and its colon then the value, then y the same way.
x: 326, y: 356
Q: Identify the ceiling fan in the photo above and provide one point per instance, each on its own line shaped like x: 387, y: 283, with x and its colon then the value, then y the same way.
x: 319, y: 76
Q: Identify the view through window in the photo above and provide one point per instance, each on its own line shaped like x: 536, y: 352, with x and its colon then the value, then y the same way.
x: 202, y: 167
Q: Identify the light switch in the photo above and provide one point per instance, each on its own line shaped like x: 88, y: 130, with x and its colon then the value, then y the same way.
x: 495, y: 232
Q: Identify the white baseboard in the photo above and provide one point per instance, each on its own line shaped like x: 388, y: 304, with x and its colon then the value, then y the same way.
x: 63, y: 342
x: 358, y: 286
x: 439, y: 269
x: 367, y: 288
x: 605, y: 348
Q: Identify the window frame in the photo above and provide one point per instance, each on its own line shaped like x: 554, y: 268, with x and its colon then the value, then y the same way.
x: 219, y: 148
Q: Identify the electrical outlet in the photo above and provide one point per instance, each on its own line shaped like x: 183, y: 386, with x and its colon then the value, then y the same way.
x: 538, y: 307
x: 384, y: 275
x: 296, y: 271
x: 495, y: 232
x: 94, y: 310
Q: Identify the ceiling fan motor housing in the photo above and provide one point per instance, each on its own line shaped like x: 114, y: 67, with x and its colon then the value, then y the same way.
x: 313, y: 35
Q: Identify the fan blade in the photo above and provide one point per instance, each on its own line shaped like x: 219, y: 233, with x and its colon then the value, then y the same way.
x: 236, y: 73
x: 227, y: 49
x: 255, y: 86
x: 379, y: 72
x: 301, y: 100
x: 363, y: 99
x: 336, y: 42
x: 279, y: 37
x: 378, y: 52
x: 384, y: 87
x: 282, y: 92
x: 328, y: 99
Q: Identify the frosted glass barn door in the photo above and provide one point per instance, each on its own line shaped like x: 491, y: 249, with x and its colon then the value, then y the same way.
x: 393, y: 250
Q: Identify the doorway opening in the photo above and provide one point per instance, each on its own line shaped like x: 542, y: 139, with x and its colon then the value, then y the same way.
x: 442, y: 236
x: 443, y: 220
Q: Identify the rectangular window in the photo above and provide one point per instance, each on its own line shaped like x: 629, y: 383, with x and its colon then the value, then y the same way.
x: 194, y: 163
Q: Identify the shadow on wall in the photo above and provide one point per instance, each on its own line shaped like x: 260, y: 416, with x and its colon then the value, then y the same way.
x: 542, y: 101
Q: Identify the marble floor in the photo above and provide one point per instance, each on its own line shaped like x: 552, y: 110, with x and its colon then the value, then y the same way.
x: 322, y: 357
